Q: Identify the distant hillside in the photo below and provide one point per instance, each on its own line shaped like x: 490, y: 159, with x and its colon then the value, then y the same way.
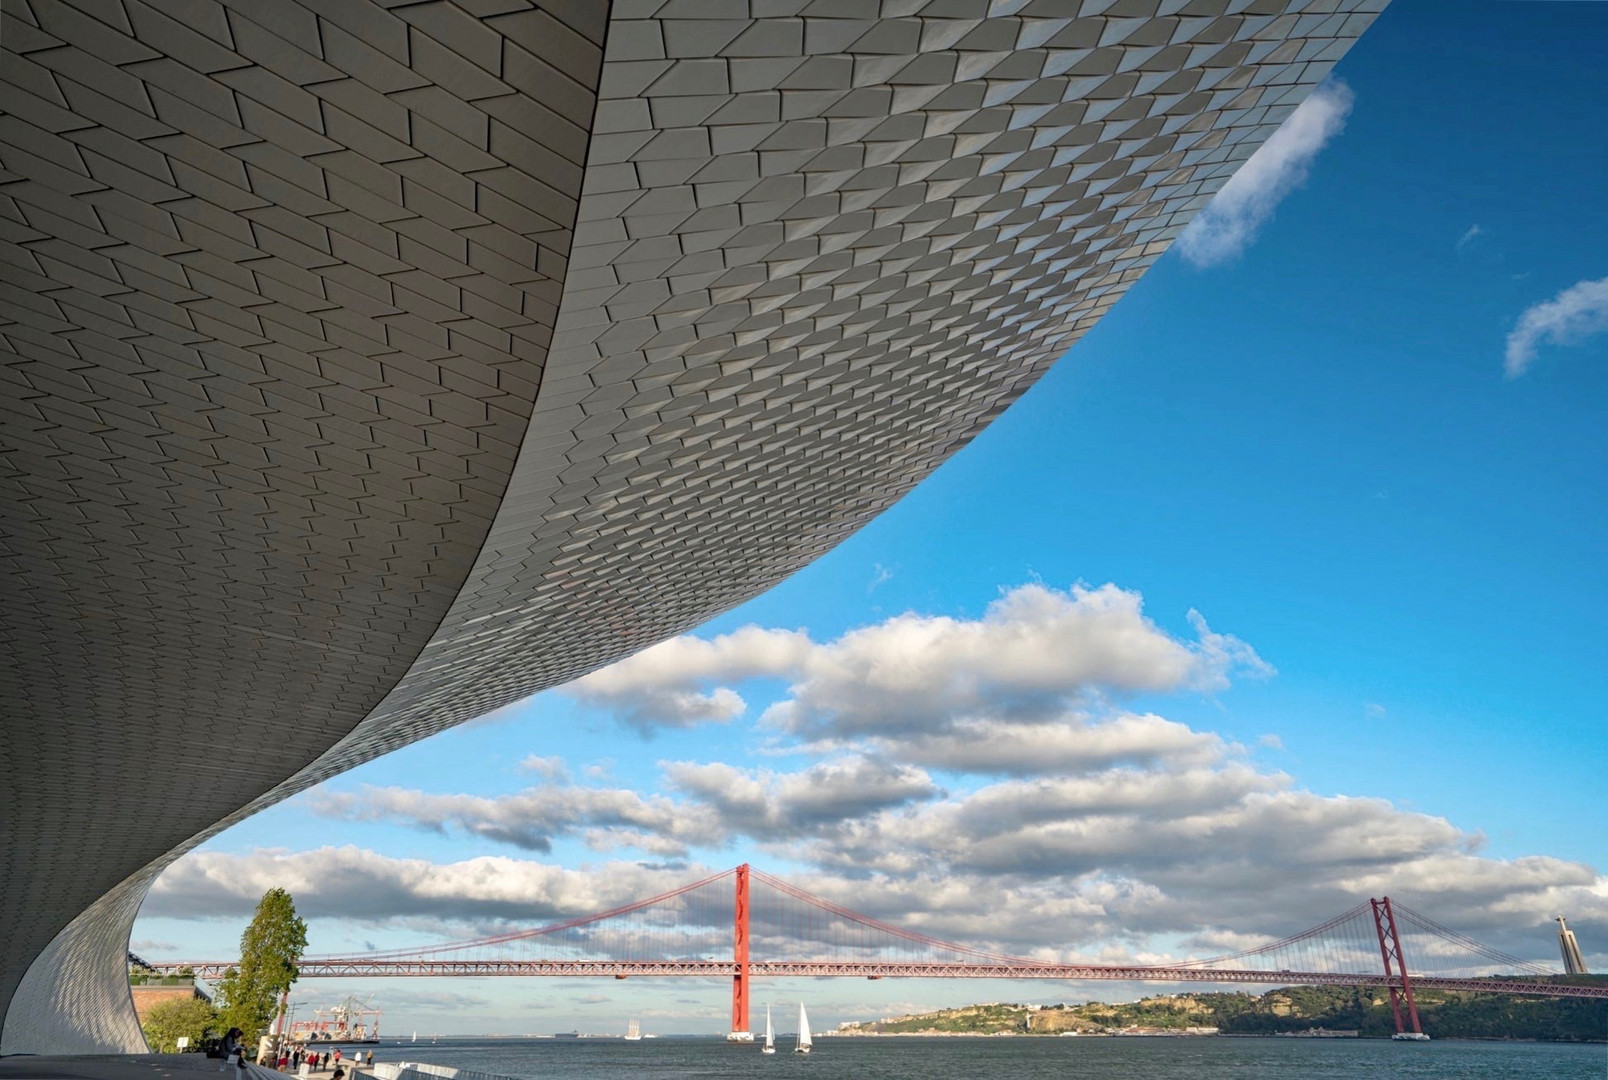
x: 1444, y: 1014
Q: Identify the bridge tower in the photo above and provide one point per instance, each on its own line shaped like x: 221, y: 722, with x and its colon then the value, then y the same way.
x: 740, y: 1031
x: 1390, y: 949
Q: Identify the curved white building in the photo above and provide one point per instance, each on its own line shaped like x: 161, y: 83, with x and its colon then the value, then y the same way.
x: 369, y: 366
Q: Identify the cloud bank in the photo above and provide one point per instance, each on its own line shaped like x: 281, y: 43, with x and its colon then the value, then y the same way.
x: 1229, y: 223
x: 977, y: 780
x: 1034, y: 651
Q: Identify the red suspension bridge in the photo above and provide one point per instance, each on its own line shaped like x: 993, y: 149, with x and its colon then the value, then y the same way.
x: 767, y: 924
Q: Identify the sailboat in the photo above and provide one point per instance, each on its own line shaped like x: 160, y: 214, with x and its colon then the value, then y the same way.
x: 633, y: 1031
x: 770, y: 1034
x: 803, y: 1046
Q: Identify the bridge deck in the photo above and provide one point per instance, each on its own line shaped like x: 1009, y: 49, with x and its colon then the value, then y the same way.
x: 624, y: 969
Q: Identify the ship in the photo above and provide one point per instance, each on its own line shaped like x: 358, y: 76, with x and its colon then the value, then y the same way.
x: 351, y: 1022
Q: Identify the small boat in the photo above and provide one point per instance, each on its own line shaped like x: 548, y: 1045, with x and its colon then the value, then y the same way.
x: 770, y: 1034
x: 1409, y: 1036
x: 804, y: 1041
x: 633, y: 1031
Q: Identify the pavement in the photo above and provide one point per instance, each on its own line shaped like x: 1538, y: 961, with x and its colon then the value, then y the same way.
x: 133, y: 1067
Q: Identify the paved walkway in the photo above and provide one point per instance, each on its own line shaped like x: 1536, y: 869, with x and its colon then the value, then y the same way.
x: 133, y: 1067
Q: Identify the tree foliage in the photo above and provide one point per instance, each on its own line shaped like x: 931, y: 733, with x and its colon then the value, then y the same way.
x: 1444, y: 1014
x: 169, y: 1020
x: 269, y: 951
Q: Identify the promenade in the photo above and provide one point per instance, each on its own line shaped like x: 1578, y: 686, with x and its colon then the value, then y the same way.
x: 133, y: 1067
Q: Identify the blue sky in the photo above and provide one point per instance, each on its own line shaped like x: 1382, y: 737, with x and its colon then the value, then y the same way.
x: 1329, y: 443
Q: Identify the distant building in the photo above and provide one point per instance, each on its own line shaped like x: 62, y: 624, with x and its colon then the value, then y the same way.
x: 1573, y: 962
x: 149, y: 994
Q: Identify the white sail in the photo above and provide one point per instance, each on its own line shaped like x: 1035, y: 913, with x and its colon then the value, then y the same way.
x: 804, y: 1042
x: 633, y: 1031
x: 770, y: 1033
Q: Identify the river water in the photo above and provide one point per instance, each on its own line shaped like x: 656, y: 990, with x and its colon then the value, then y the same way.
x: 1018, y: 1059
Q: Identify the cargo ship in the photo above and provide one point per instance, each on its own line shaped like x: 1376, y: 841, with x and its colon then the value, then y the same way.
x: 352, y: 1022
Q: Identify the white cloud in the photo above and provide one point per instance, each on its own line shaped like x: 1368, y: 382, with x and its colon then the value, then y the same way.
x: 1033, y: 651
x: 663, y: 686
x: 1230, y: 863
x: 780, y: 806
x: 1229, y: 223
x: 548, y: 768
x: 1469, y: 236
x: 1132, y: 835
x: 1197, y: 843
x: 531, y: 819
x: 362, y: 886
x: 1069, y: 744
x: 1575, y: 314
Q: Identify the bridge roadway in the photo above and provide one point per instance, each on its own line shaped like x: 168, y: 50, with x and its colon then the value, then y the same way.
x: 624, y: 969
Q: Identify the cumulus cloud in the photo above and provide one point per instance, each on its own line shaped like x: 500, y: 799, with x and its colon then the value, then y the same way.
x: 548, y: 768
x: 1229, y: 223
x: 1069, y: 744
x: 531, y: 819
x: 1121, y: 867
x: 719, y: 803
x: 1576, y: 313
x: 362, y: 886
x: 1034, y: 650
x: 1129, y: 836
x: 664, y: 686
x: 1125, y: 858
x: 1117, y: 858
x: 775, y: 806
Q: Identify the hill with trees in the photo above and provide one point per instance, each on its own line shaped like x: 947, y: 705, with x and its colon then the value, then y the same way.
x: 1286, y: 1010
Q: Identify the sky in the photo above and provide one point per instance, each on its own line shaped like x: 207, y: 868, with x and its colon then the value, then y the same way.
x: 1284, y: 588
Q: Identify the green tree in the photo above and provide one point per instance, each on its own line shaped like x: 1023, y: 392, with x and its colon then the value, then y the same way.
x: 269, y: 950
x: 169, y: 1020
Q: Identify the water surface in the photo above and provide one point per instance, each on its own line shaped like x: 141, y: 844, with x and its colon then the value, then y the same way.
x: 1018, y: 1059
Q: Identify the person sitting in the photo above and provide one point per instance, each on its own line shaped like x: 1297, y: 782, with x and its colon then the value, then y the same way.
x: 231, y: 1049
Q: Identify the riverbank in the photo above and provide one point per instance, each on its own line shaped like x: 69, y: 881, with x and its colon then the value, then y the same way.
x: 1310, y: 1011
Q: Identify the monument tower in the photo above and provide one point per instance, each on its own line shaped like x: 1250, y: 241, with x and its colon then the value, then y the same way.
x: 1573, y: 962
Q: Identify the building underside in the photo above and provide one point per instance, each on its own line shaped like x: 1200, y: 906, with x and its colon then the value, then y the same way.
x: 371, y: 365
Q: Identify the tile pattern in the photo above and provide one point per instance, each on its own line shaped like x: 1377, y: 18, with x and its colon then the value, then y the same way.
x: 817, y: 252
x: 821, y: 243
x: 279, y: 282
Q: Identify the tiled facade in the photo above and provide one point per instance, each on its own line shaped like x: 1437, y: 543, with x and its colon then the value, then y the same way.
x: 371, y: 365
